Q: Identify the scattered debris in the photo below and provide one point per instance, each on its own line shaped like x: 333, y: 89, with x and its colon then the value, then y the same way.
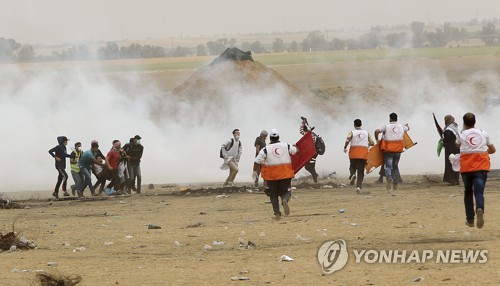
x: 52, y: 263
x: 242, y: 278
x: 79, y: 249
x: 46, y: 279
x: 12, y: 242
x: 218, y: 243
x: 197, y: 224
x: 152, y: 226
x: 8, y: 204
x: 418, y: 279
x: 286, y: 258
x: 222, y: 196
x: 178, y: 244
x: 341, y: 211
x: 108, y: 243
x: 207, y: 247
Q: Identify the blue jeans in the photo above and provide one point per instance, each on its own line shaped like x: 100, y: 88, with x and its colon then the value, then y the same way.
x: 391, y: 166
x: 134, y: 172
x: 87, y: 179
x: 474, y: 183
x: 78, y: 178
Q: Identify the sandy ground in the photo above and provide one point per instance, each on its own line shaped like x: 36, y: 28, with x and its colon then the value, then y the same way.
x: 121, y: 250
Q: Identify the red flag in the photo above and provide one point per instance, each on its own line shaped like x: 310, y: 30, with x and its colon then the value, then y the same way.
x: 307, y: 150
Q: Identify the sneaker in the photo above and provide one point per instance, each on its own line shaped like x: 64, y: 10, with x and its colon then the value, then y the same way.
x: 55, y: 195
x: 66, y: 194
x: 286, y: 208
x: 277, y: 216
x: 469, y: 223
x: 480, y: 220
x: 353, y: 179
x: 358, y: 190
x: 73, y: 189
x: 388, y: 186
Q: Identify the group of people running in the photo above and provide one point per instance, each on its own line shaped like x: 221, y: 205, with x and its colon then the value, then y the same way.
x: 120, y: 166
x: 274, y: 160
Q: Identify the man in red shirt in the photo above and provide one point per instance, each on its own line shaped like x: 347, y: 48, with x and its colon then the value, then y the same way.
x: 112, y: 162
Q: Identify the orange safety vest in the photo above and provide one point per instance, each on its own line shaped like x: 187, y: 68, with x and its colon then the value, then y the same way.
x: 359, y: 145
x: 474, y: 151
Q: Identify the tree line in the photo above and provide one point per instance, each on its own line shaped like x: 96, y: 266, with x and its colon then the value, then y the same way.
x: 418, y: 36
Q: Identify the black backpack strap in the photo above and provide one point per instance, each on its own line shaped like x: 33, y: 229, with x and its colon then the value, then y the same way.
x: 230, y: 145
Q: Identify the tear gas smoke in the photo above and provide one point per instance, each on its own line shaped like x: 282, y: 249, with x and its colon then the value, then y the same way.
x: 182, y: 141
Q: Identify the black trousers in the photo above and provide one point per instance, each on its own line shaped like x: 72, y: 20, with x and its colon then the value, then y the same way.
x: 358, y: 167
x: 279, y: 188
x: 61, y: 178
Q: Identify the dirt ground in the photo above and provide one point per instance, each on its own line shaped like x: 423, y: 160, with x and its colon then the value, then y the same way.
x: 121, y: 250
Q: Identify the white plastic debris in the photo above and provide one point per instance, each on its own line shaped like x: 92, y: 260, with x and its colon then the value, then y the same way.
x: 242, y: 278
x: 222, y: 196
x: 52, y: 263
x: 108, y: 243
x: 418, y: 279
x: 79, y: 249
x: 286, y: 258
x: 218, y: 243
x: 128, y: 236
x: 207, y: 247
x: 262, y: 234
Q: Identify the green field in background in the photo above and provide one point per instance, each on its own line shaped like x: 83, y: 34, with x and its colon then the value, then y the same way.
x: 189, y: 63
x: 323, y: 57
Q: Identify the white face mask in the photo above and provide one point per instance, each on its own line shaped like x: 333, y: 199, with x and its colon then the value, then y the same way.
x: 237, y: 137
x: 79, y: 149
x: 138, y: 141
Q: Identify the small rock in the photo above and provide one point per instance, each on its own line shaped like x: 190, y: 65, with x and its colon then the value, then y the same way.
x: 218, y: 243
x: 13, y: 248
x: 108, y: 243
x: 418, y: 279
x: 152, y: 226
x: 52, y: 263
x: 207, y: 247
x: 286, y: 258
x: 178, y: 244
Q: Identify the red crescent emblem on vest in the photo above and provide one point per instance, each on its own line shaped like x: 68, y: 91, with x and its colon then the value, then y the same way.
x: 471, y: 140
x: 276, y: 152
x: 394, y: 129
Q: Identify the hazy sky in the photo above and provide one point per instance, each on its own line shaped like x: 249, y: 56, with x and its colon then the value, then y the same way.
x: 58, y: 21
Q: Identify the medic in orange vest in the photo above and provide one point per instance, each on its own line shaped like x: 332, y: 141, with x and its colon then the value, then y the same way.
x: 392, y: 145
x: 360, y: 140
x: 475, y: 147
x: 276, y: 169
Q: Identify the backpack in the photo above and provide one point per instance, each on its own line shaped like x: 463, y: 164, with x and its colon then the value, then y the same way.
x: 320, y: 145
x: 230, y: 146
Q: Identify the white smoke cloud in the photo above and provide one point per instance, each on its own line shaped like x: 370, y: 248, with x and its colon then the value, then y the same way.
x: 183, y: 146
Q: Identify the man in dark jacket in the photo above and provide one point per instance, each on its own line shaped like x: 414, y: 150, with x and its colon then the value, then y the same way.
x: 134, y: 154
x: 450, y: 136
x: 60, y: 154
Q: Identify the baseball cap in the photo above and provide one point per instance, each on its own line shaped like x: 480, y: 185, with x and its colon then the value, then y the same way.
x: 274, y: 133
